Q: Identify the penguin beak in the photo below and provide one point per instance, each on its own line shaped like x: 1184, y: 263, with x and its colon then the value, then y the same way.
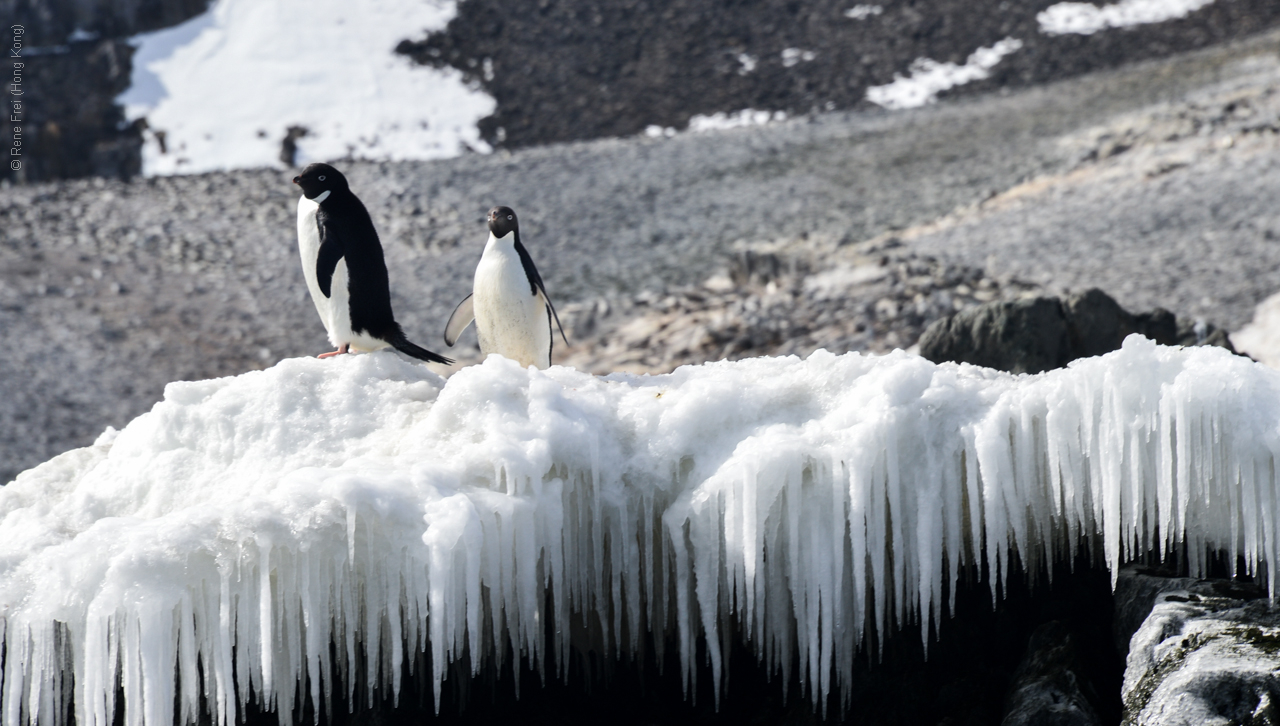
x: 297, y: 180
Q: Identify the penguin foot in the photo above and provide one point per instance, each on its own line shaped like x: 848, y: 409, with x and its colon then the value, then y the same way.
x: 342, y: 350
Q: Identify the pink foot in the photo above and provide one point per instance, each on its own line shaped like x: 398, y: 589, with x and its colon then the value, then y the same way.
x: 342, y: 349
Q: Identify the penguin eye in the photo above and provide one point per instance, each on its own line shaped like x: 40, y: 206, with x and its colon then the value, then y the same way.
x: 322, y: 177
x: 510, y: 217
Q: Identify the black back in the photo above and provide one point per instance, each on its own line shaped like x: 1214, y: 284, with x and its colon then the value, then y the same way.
x: 347, y: 232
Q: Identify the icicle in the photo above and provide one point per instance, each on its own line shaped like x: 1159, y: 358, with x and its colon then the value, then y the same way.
x: 816, y: 502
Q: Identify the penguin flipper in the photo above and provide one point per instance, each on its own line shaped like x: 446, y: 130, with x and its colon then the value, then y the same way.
x: 327, y: 261
x: 402, y: 344
x: 458, y: 322
x: 535, y: 283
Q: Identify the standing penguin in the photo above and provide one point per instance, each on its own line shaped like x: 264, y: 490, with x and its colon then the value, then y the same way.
x: 342, y: 262
x: 508, y: 300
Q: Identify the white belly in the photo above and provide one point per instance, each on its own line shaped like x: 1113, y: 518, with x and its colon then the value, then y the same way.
x: 509, y: 320
x: 334, y: 311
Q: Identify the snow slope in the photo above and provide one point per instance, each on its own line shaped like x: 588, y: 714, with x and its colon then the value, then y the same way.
x: 367, y: 502
x: 224, y: 87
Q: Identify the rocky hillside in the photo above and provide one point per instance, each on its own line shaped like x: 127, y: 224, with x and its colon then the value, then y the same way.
x: 571, y: 70
x: 563, y: 71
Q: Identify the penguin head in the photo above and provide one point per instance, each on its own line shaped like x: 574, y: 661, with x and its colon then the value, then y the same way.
x: 502, y: 222
x: 317, y: 179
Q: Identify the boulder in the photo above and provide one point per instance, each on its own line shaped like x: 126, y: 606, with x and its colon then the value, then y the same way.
x: 1137, y: 588
x: 1043, y: 333
x: 1051, y: 686
x: 1022, y: 336
x: 1207, y: 655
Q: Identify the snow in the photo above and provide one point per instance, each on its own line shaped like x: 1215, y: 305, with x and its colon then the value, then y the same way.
x: 862, y: 12
x: 1261, y: 337
x: 929, y: 77
x: 1087, y: 19
x: 794, y: 56
x: 225, y: 86
x: 700, y: 123
x: 746, y: 117
x: 246, y: 523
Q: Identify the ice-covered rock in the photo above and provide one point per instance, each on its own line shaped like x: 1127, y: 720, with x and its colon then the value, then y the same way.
x: 1208, y: 655
x: 278, y: 535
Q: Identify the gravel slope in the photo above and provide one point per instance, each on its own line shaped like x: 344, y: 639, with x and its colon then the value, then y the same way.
x: 110, y: 289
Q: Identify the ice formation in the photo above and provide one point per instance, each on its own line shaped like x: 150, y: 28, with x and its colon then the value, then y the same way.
x: 219, y: 543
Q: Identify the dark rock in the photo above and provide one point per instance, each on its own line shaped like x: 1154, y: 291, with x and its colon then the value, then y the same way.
x: 1096, y: 322
x: 1031, y: 336
x: 71, y: 125
x: 52, y: 22
x: 1159, y: 325
x: 1052, y: 684
x: 1023, y: 336
x: 1198, y: 332
x: 289, y: 146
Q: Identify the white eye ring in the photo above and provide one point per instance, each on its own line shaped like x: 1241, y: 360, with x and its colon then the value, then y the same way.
x: 322, y: 177
x: 510, y: 216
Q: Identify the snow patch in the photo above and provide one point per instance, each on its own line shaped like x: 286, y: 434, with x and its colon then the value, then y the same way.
x: 1087, y: 19
x: 794, y: 56
x: 221, y: 90
x: 721, y: 121
x: 929, y: 77
x: 862, y: 12
x: 221, y: 542
x: 745, y: 117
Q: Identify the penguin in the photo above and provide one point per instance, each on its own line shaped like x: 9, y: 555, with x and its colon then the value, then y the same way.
x: 508, y: 301
x: 343, y: 265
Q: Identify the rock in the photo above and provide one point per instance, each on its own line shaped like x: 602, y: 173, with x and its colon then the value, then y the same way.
x: 1051, y: 686
x: 782, y: 301
x: 289, y: 146
x: 1022, y: 336
x: 1032, y: 336
x: 71, y: 125
x: 1136, y: 591
x: 52, y: 22
x: 1207, y: 655
x: 1096, y: 323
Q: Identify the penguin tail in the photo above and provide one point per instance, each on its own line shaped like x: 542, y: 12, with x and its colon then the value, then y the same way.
x: 402, y: 344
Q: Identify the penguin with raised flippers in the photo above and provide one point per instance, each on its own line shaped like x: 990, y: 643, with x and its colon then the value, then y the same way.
x: 508, y: 301
x: 344, y: 268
